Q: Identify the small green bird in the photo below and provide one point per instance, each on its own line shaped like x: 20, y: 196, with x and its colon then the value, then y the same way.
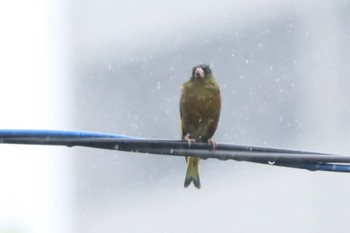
x: 200, y: 105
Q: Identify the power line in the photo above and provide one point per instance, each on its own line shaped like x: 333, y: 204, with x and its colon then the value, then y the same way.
x: 312, y: 161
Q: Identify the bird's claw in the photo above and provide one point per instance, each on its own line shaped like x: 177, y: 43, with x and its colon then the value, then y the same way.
x: 212, y: 143
x: 189, y: 139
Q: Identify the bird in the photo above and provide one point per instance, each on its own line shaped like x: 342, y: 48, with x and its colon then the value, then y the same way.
x: 200, y: 106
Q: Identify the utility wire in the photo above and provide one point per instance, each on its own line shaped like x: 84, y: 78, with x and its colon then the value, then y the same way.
x: 312, y: 161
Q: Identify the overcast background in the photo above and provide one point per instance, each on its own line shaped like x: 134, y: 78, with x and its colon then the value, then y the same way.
x: 117, y: 67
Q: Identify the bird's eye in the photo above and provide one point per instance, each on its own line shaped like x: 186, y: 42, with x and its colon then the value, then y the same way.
x: 207, y: 70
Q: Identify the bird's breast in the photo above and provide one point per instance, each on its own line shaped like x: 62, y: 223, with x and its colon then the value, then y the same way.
x: 200, y: 112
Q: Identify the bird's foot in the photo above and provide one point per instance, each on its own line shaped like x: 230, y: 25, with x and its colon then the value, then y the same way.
x: 189, y: 139
x: 212, y: 143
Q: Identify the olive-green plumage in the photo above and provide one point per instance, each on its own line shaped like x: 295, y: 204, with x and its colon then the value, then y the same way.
x: 200, y: 105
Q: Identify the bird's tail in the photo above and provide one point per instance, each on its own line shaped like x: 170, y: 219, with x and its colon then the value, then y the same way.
x: 192, y: 173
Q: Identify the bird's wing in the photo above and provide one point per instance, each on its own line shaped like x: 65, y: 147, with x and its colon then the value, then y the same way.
x: 180, y: 106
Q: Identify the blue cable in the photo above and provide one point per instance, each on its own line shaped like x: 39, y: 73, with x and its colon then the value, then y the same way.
x: 312, y: 161
x: 57, y: 134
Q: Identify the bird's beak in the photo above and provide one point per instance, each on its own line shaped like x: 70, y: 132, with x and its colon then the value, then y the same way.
x: 199, y: 73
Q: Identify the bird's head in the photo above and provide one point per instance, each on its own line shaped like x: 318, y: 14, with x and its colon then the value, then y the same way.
x: 201, y: 71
